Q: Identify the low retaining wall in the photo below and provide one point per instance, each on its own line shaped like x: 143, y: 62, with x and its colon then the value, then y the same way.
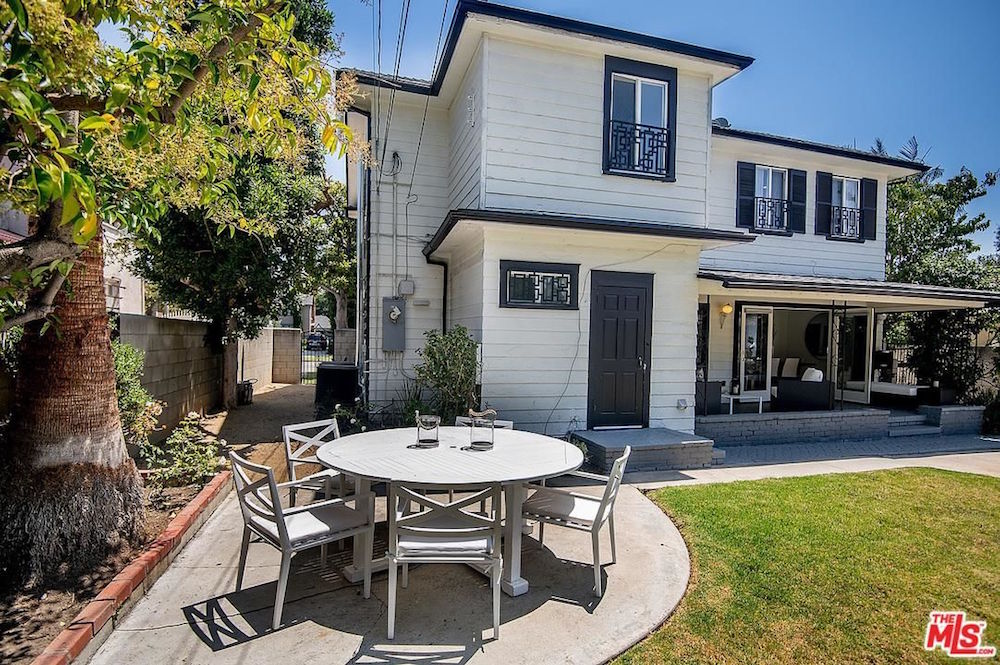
x: 81, y: 639
x: 749, y: 429
x: 955, y: 419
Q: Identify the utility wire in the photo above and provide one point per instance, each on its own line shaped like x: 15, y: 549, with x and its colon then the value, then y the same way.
x: 404, y: 15
x: 411, y: 197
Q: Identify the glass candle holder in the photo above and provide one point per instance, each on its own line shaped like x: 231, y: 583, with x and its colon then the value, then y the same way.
x: 428, y: 429
x: 483, y: 428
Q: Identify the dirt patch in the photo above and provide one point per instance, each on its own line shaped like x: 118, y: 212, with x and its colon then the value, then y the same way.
x: 29, y: 621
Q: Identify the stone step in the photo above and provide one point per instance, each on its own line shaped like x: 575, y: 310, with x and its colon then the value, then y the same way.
x: 904, y: 421
x: 915, y: 430
x: 718, y: 456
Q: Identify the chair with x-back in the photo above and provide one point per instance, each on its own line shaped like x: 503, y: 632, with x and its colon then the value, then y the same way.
x: 443, y: 532
x: 301, y: 442
x: 294, y: 529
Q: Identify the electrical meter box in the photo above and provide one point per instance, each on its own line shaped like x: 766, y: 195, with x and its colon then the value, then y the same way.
x: 393, y: 324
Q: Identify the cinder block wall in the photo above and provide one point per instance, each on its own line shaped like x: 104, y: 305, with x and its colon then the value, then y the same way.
x: 180, y: 369
x: 286, y: 363
x: 255, y: 357
x: 344, y: 341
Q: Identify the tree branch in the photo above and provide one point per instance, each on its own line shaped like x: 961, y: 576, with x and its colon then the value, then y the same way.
x: 41, y: 309
x: 35, y: 251
x: 168, y: 112
x: 77, y: 102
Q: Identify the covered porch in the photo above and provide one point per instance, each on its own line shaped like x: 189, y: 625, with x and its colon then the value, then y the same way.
x: 771, y: 344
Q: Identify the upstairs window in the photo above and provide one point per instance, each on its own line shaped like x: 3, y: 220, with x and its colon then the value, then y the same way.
x: 845, y: 207
x: 770, y: 199
x: 640, y: 102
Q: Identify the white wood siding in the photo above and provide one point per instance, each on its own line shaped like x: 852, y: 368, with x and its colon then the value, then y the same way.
x: 414, y: 224
x: 465, y: 119
x: 544, y: 135
x: 802, y: 253
x: 465, y: 286
x: 535, y: 362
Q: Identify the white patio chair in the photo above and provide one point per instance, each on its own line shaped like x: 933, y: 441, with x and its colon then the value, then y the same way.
x: 563, y: 507
x: 443, y: 532
x: 296, y: 456
x: 790, y: 369
x: 292, y: 530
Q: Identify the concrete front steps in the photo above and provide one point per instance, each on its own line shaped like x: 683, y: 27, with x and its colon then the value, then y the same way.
x: 653, y: 448
x: 912, y: 425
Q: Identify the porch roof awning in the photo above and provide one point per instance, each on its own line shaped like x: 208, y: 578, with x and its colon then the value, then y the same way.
x: 873, y: 289
x: 581, y: 223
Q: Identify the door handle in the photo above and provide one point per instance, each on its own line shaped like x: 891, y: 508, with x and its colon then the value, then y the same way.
x: 642, y: 365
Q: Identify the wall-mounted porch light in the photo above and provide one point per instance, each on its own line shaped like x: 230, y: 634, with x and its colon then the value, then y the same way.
x: 724, y: 310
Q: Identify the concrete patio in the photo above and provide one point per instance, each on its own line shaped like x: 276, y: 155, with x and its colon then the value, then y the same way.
x: 193, y: 615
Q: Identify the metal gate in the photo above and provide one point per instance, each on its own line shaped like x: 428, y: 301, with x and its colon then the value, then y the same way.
x: 317, y: 347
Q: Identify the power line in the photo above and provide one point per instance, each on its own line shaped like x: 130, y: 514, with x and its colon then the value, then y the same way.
x: 404, y: 15
x: 411, y: 197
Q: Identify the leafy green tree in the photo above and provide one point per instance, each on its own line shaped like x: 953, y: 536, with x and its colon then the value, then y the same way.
x: 95, y: 134
x: 242, y: 282
x: 336, y: 272
x: 929, y: 241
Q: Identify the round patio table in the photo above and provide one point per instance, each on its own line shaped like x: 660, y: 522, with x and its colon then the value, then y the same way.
x: 516, y: 457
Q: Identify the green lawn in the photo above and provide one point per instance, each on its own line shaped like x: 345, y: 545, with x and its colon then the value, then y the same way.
x: 836, y: 568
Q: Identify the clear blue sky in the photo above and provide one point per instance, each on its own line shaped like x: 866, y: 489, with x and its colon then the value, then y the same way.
x: 841, y: 73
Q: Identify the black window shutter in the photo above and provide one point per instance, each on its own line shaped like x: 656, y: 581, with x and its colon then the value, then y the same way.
x: 796, y: 201
x: 869, y: 208
x: 745, y: 175
x: 824, y: 197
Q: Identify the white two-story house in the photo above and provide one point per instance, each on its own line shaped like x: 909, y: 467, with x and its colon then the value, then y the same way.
x: 560, y: 189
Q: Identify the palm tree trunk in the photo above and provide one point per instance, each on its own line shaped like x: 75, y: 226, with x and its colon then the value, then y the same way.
x: 72, y: 491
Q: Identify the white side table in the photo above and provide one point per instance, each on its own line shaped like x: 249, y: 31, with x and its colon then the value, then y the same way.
x: 744, y: 399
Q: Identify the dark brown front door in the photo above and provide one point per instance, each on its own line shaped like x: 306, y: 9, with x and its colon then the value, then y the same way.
x: 621, y: 326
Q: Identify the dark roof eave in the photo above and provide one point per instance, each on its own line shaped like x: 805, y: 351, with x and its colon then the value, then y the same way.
x: 466, y: 7
x: 548, y: 220
x: 787, y: 283
x: 823, y: 148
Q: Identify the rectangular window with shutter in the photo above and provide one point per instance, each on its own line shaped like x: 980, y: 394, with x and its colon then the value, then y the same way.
x: 846, y: 207
x: 770, y: 199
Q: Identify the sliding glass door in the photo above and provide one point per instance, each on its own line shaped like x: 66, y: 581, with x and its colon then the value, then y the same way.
x: 755, y: 351
x: 852, y: 342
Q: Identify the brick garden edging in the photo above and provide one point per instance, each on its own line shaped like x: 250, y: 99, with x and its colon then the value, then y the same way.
x: 93, y: 625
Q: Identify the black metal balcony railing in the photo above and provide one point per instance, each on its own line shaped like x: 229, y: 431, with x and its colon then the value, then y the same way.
x: 845, y: 222
x: 638, y: 148
x: 770, y: 214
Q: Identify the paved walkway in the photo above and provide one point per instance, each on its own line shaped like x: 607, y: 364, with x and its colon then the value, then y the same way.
x: 192, y: 614
x: 969, y: 454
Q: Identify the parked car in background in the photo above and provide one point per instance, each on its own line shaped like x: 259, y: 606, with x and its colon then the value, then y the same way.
x: 316, y: 341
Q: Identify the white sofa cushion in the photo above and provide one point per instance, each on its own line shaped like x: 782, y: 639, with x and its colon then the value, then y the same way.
x: 812, y: 374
